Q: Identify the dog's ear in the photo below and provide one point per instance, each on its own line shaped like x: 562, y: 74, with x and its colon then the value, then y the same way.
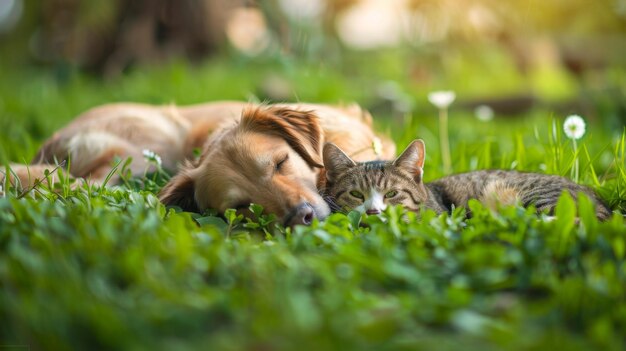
x: 301, y: 129
x: 412, y: 159
x: 335, y: 161
x: 180, y: 191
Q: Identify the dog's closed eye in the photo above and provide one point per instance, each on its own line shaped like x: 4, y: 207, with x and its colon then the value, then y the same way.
x: 281, y: 162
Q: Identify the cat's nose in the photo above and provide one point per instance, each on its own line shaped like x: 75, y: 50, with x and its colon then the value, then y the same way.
x: 372, y: 211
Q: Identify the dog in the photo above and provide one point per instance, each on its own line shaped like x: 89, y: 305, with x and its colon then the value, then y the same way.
x: 264, y: 154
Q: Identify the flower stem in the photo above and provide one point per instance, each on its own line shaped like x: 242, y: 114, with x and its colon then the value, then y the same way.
x: 575, y: 161
x: 443, y: 137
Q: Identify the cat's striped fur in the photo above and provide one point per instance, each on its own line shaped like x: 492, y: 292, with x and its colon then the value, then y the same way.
x: 371, y: 186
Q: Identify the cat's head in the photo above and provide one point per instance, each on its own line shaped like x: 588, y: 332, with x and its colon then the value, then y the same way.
x: 369, y: 187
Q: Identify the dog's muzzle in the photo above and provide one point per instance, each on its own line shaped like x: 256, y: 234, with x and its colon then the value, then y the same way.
x: 302, y: 214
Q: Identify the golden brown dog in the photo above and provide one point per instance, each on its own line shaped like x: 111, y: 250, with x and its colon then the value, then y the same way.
x: 266, y: 154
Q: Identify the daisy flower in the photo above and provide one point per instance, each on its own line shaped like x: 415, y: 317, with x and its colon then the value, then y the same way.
x: 442, y: 99
x: 484, y: 113
x: 151, y: 156
x: 574, y: 127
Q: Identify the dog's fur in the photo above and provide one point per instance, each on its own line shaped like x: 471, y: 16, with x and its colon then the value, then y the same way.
x: 266, y: 154
x: 23, y: 177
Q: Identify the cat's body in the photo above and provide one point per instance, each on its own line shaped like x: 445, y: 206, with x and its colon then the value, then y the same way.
x: 507, y: 188
x: 370, y: 186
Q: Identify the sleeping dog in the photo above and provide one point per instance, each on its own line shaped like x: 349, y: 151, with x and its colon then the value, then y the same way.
x: 264, y: 154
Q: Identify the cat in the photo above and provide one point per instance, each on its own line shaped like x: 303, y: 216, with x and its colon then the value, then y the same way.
x: 369, y: 187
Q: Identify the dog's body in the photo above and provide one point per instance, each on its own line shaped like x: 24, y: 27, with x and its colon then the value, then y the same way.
x: 270, y: 155
x: 95, y: 138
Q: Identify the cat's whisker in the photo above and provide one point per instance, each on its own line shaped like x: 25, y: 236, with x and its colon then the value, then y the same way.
x: 332, y: 203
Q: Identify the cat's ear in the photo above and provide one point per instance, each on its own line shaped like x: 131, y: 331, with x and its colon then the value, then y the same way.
x: 335, y: 161
x: 412, y: 159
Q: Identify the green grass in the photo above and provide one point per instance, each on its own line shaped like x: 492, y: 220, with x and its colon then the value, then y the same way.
x: 112, y: 268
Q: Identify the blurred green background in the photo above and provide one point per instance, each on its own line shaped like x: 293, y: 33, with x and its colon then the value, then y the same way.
x: 520, y: 58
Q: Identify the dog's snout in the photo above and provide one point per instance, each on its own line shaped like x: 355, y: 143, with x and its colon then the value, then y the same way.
x: 302, y: 214
x: 372, y: 211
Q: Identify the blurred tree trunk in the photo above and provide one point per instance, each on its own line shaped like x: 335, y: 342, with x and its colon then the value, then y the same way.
x: 108, y: 36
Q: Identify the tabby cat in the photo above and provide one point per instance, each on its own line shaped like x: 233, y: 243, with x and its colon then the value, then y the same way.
x: 369, y: 187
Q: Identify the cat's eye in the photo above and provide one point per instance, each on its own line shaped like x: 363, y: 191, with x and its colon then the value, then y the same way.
x: 357, y: 194
x: 391, y: 194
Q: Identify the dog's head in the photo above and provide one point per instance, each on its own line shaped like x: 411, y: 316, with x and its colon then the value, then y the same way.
x: 271, y: 158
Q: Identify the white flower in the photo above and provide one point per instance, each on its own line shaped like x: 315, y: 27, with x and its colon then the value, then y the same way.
x: 441, y: 99
x: 484, y: 113
x: 574, y: 127
x: 151, y: 156
x: 148, y: 154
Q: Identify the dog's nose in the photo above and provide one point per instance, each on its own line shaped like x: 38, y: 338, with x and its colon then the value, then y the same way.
x: 372, y: 211
x: 302, y: 214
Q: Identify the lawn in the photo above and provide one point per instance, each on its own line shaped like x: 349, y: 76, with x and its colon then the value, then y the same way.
x: 112, y: 268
